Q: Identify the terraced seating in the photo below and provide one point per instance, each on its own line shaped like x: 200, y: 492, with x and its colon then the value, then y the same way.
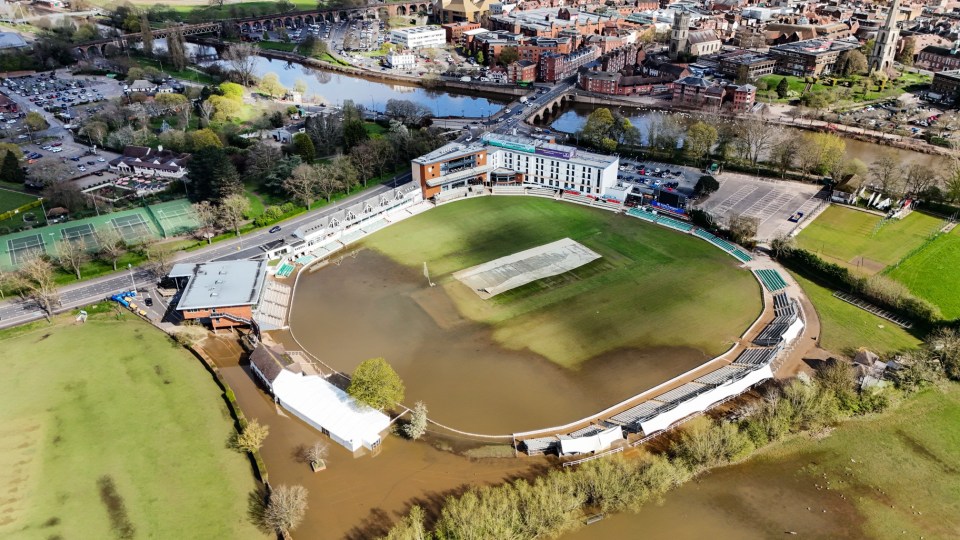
x: 642, y: 214
x: 771, y: 279
x: 742, y: 255
x: 305, y: 259
x: 755, y: 357
x: 582, y: 199
x: 374, y: 226
x: 682, y: 393
x: 781, y: 304
x: 351, y: 237
x: 771, y: 334
x: 722, y: 375
x: 585, y: 432
x: 285, y: 270
x: 542, y: 192
x: 541, y: 445
x: 509, y: 190
x: 633, y: 415
x: 674, y: 223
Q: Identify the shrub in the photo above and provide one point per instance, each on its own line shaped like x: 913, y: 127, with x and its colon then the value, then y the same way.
x: 704, y: 443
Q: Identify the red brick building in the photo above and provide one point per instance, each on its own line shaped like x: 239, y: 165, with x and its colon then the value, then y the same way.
x: 554, y: 67
x: 220, y: 294
x: 455, y: 30
x: 522, y: 72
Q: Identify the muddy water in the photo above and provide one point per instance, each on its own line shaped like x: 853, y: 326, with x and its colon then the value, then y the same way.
x: 359, y: 497
x: 754, y: 500
x: 370, y: 306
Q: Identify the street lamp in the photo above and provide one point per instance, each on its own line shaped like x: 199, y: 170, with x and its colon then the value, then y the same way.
x: 133, y: 284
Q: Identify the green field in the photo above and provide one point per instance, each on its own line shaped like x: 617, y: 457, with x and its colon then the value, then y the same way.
x: 933, y: 273
x: 844, y: 327
x: 845, y: 236
x: 10, y: 200
x: 652, y: 287
x: 112, y: 431
x: 898, y: 470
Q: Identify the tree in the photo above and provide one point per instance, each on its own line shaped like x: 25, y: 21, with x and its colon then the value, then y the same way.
x: 700, y: 139
x: 706, y: 185
x: 171, y: 101
x: 300, y: 86
x: 35, y: 122
x: 887, y: 173
x: 146, y: 35
x: 944, y: 344
x: 213, y: 175
x: 10, y: 170
x: 704, y: 443
x: 905, y: 56
x: 95, y: 131
x: 756, y: 137
x: 418, y: 422
x: 341, y: 169
x: 224, y: 108
x: 782, y: 88
x: 480, y: 58
x: 819, y: 152
x: 743, y: 229
x: 509, y: 55
x: 270, y: 85
x: 743, y: 74
x: 303, y: 184
x: 376, y: 384
x: 598, y: 129
x: 852, y: 62
x: 252, y: 437
x: 242, y: 57
x: 286, y: 509
x: 207, y: 217
x: 72, y: 255
x: 381, y: 153
x: 110, y: 245
x: 202, y: 138
x: 406, y: 111
x: 363, y: 161
x: 176, y: 50
x: 303, y: 147
x: 47, y: 171
x: 35, y: 276
x: 65, y: 194
x: 233, y: 209
x: 206, y: 109
x: 316, y: 454
x: 354, y: 131
x: 918, y: 369
x: 160, y: 256
x: 919, y: 178
x: 327, y: 184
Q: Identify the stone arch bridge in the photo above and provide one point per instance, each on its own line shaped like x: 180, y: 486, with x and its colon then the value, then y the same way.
x: 551, y: 107
x: 299, y: 19
x: 103, y: 47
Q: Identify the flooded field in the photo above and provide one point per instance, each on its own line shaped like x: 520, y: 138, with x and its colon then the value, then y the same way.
x: 370, y: 306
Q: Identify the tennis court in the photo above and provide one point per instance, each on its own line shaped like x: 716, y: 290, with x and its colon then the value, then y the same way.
x: 175, y: 217
x: 131, y: 227
x: 24, y: 247
x: 82, y: 233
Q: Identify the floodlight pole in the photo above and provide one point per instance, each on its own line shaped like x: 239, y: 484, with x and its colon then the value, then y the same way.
x: 133, y: 284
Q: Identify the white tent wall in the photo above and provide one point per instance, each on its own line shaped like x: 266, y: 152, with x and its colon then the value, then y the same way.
x: 793, y: 331
x: 703, y: 401
x: 593, y: 443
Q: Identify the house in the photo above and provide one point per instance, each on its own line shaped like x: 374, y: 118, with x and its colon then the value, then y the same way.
x: 302, y: 390
x: 284, y: 135
x: 703, y: 42
x: 141, y: 86
x: 522, y: 72
x: 402, y: 60
x: 221, y: 294
x: 145, y: 161
x: 498, y: 75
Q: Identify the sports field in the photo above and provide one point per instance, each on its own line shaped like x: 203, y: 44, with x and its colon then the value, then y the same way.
x: 652, y: 287
x: 108, y: 430
x: 846, y: 237
x: 10, y: 200
x: 933, y: 273
x: 844, y: 327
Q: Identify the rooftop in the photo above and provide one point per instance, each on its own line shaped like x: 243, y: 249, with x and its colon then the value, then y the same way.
x: 220, y: 284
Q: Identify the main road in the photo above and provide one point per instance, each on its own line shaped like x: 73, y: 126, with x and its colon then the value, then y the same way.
x: 16, y: 311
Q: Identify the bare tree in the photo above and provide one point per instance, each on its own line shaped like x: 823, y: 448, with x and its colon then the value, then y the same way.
x: 110, y: 245
x: 327, y: 183
x: 176, y: 48
x: 49, y: 170
x: 207, y: 216
x: 887, y: 173
x: 72, y: 254
x: 207, y: 109
x: 161, y: 258
x: 35, y: 278
x: 343, y: 171
x: 316, y: 454
x: 742, y: 228
x: 232, y: 210
x: 146, y: 35
x: 252, y: 437
x: 286, y: 508
x: 303, y: 184
x: 919, y: 177
x: 381, y: 154
x: 242, y: 57
x: 756, y: 138
x: 363, y: 161
x: 95, y: 131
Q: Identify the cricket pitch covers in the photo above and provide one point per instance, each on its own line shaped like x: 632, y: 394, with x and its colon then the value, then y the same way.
x: 500, y: 275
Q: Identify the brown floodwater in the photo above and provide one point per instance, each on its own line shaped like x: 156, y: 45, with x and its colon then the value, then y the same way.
x: 361, y: 497
x: 370, y: 306
x: 758, y: 499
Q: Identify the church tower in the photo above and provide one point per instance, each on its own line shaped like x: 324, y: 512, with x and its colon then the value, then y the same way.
x: 678, y: 36
x: 885, y: 47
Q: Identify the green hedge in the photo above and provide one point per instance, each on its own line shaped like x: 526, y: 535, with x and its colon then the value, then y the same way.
x: 10, y: 213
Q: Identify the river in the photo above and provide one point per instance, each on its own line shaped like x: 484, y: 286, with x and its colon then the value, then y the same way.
x: 572, y: 119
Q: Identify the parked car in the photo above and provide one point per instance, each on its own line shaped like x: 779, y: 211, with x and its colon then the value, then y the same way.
x: 275, y: 228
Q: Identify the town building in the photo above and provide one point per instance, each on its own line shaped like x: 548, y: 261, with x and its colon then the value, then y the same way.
x: 418, y: 37
x: 220, y: 294
x: 145, y: 161
x: 533, y: 48
x: 401, y: 59
x: 522, y: 72
x: 300, y: 388
x: 885, y: 46
x: 679, y: 33
x: 702, y: 42
x: 812, y: 57
x: 742, y: 62
x: 936, y: 58
x: 555, y: 67
x: 697, y: 92
x: 451, y: 11
x: 455, y: 31
x: 8, y: 105
x: 945, y: 86
x: 505, y: 159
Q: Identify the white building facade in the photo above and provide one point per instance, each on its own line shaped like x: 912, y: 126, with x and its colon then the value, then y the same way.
x: 418, y: 37
x: 402, y: 60
x: 553, y: 165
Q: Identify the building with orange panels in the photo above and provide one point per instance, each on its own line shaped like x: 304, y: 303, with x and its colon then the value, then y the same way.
x: 455, y: 30
x: 220, y: 294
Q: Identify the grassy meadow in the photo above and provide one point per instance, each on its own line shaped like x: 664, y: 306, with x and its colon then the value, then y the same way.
x: 652, y: 287
x: 933, y: 272
x: 112, y: 431
x: 845, y: 236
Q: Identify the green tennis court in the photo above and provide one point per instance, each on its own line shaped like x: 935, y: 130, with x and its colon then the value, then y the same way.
x: 175, y: 217
x: 132, y: 228
x: 82, y: 233
x: 24, y: 247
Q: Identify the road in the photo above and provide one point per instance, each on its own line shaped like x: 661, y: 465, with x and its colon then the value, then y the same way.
x: 16, y: 311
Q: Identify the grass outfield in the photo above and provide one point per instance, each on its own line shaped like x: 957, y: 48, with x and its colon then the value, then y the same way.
x: 844, y: 236
x: 10, y: 200
x: 844, y: 327
x: 653, y: 287
x: 898, y: 469
x: 110, y: 428
x: 933, y: 273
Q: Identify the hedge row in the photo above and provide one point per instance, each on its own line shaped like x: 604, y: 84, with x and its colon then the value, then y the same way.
x: 10, y: 213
